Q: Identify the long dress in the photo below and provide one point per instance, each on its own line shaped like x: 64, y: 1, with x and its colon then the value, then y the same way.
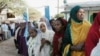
x: 46, y: 50
x: 34, y: 46
x: 78, y: 33
x: 22, y: 46
x: 5, y: 30
x: 15, y: 38
x: 57, y: 39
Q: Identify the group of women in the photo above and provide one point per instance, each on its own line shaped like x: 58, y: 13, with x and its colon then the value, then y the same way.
x: 60, y: 38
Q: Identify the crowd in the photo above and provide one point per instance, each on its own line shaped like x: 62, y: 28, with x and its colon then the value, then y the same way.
x: 58, y: 37
x: 7, y: 30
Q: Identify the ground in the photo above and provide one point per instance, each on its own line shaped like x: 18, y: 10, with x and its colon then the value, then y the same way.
x: 7, y: 48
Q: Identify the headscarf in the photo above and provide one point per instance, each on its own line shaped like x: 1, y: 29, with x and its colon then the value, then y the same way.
x: 67, y: 34
x: 75, y: 29
x: 93, y: 35
x: 52, y: 22
x: 57, y: 36
x: 73, y: 13
x: 40, y: 25
x: 32, y: 29
x: 63, y: 22
x: 44, y: 19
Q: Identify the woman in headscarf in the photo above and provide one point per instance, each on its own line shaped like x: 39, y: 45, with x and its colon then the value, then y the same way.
x: 60, y: 25
x: 33, y: 42
x: 75, y: 34
x: 52, y: 23
x: 44, y: 19
x: 93, y: 37
x: 46, y: 39
x: 20, y: 40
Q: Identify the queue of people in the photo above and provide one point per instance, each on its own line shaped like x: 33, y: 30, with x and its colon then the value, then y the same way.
x: 7, y: 30
x: 58, y: 37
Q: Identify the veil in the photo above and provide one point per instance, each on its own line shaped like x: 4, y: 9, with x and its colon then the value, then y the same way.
x: 44, y: 19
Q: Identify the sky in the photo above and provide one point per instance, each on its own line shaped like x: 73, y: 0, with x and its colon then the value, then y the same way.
x: 40, y: 4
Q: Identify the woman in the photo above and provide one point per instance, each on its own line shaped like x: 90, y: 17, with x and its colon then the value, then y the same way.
x: 21, y: 41
x: 93, y: 36
x: 60, y: 25
x: 75, y: 34
x: 52, y: 23
x: 15, y: 38
x: 46, y: 39
x: 44, y: 19
x: 33, y: 42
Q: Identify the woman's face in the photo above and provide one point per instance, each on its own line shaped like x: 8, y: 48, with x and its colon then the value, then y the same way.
x: 80, y: 14
x: 58, y: 26
x: 42, y: 27
x: 53, y: 24
x: 32, y: 33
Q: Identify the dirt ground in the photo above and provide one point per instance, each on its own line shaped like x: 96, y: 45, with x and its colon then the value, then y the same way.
x: 7, y: 48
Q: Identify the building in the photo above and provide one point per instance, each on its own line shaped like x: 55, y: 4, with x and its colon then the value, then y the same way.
x: 91, y: 8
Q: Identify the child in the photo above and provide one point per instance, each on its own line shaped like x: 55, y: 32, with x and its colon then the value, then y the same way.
x: 46, y: 39
x: 33, y: 42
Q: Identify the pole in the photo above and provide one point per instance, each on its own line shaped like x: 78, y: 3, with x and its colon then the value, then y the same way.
x: 58, y: 7
x: 65, y: 9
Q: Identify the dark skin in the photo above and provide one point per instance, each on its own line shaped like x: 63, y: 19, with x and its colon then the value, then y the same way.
x: 43, y: 41
x: 32, y: 33
x: 59, y: 27
x: 79, y: 47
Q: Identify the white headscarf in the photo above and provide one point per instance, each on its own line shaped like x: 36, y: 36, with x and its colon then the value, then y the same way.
x: 44, y: 19
x: 44, y: 24
x: 47, y: 35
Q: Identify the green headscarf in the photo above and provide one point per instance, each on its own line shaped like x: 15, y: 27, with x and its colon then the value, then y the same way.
x: 67, y: 36
x: 73, y: 13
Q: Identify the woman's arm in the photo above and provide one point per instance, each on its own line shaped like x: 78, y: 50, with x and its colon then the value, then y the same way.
x: 79, y: 47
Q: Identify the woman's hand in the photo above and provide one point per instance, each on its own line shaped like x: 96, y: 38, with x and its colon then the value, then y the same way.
x: 78, y: 47
x: 48, y: 42
x: 42, y: 43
